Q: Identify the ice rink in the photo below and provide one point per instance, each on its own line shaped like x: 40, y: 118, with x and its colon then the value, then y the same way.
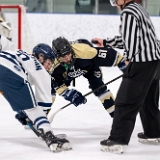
x: 85, y: 126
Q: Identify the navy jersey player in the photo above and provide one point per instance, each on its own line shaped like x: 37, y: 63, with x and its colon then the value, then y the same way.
x: 18, y: 71
x: 76, y: 59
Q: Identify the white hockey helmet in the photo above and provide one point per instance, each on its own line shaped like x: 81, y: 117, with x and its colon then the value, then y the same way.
x: 113, y: 2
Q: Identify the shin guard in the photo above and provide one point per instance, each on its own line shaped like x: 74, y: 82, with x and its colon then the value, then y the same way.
x: 107, y: 100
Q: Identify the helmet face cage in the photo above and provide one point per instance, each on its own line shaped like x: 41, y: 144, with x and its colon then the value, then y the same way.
x: 43, y: 51
x: 113, y: 2
x: 62, y: 47
x: 63, y: 51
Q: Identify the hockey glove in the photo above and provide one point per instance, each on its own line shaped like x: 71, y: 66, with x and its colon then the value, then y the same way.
x: 21, y: 117
x: 74, y: 97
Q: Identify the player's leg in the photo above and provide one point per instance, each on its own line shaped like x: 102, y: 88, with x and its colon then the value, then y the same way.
x: 103, y: 94
x: 131, y: 96
x: 150, y: 116
x: 19, y: 94
x: 126, y: 110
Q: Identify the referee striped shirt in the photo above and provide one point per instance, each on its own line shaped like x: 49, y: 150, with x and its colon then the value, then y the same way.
x: 138, y: 34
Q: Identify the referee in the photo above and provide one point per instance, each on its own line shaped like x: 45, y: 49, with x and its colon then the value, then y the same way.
x: 139, y: 89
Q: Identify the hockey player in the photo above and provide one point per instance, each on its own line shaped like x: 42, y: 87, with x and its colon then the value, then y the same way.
x: 18, y: 71
x: 74, y: 60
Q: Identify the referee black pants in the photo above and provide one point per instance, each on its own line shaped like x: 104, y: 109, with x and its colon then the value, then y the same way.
x: 138, y: 92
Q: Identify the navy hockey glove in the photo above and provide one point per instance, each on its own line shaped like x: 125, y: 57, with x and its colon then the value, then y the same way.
x: 21, y: 117
x: 74, y: 97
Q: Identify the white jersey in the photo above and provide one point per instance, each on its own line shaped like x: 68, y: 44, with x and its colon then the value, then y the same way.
x: 30, y: 69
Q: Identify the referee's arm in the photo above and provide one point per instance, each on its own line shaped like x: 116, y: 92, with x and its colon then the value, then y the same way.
x: 130, y: 32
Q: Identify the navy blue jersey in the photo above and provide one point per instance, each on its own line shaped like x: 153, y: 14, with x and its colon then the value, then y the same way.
x: 87, y: 63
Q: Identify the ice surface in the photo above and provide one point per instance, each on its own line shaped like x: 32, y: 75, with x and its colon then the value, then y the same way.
x: 85, y: 127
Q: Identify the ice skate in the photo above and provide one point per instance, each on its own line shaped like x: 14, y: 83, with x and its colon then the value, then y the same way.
x: 142, y: 138
x: 111, y: 146
x: 61, y: 136
x: 54, y: 143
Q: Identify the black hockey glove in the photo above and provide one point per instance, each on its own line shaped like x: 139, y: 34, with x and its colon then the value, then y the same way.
x: 21, y: 117
x: 74, y: 97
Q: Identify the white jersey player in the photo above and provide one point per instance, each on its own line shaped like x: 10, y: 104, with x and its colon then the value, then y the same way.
x: 18, y: 71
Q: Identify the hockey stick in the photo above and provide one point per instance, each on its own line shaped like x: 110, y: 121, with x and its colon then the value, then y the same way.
x: 31, y: 126
x: 53, y: 115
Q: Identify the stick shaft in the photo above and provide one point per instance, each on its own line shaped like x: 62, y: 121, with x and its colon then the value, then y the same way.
x: 53, y: 115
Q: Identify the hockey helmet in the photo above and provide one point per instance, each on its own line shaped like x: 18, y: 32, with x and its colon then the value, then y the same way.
x: 45, y: 50
x: 85, y: 41
x: 62, y: 47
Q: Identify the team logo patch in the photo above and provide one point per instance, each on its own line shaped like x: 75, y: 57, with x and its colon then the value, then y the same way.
x: 76, y: 73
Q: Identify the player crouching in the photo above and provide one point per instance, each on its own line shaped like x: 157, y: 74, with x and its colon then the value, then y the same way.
x: 18, y: 71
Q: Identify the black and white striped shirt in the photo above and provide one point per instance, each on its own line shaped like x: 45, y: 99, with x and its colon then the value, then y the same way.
x: 138, y: 35
x: 115, y: 42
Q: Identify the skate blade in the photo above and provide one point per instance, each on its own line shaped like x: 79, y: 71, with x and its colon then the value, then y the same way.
x: 55, y: 148
x: 150, y: 141
x: 113, y: 149
x: 66, y: 146
x: 26, y: 127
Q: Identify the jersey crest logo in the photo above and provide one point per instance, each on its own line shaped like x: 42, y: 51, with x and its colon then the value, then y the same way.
x: 76, y: 73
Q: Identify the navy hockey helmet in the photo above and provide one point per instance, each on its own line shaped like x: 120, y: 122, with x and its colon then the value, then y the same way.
x: 85, y: 41
x: 44, y: 50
